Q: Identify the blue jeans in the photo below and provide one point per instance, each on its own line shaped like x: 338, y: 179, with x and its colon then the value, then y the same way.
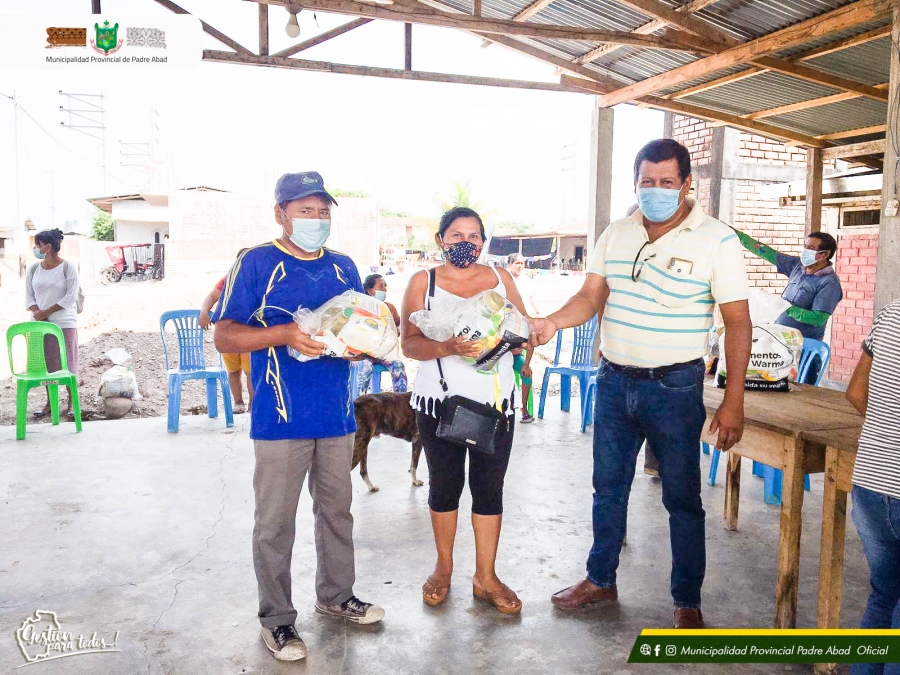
x: 669, y: 413
x: 877, y: 519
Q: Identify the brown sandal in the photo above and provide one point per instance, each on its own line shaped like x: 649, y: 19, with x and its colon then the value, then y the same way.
x: 435, y: 586
x: 502, y: 593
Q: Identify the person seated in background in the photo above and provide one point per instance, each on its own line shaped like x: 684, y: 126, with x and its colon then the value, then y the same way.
x: 813, y: 289
x: 376, y: 286
x: 522, y: 357
x: 874, y: 391
x: 234, y: 363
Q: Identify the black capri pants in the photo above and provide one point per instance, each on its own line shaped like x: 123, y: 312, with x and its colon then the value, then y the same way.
x: 447, y: 470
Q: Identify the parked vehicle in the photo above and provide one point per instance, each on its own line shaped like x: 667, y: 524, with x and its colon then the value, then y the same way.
x: 137, y: 262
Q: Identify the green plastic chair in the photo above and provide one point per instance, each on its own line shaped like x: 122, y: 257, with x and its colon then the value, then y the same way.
x: 36, y: 373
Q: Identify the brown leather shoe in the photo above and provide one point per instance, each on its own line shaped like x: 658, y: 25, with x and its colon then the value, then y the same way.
x: 686, y: 617
x: 582, y: 594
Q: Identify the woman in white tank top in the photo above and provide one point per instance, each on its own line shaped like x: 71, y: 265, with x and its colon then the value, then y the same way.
x: 461, y: 236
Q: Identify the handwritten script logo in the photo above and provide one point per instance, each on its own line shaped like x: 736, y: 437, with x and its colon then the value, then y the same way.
x: 41, y: 638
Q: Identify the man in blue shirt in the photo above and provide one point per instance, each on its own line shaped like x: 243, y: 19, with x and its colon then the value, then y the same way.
x: 302, y: 417
x: 813, y: 289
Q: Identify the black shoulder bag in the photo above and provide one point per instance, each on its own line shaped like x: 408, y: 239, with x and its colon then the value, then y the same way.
x: 462, y: 420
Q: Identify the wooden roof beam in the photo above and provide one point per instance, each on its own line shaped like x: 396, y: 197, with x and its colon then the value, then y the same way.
x: 646, y: 29
x: 804, y: 31
x: 532, y: 9
x: 325, y: 66
x: 850, y: 133
x: 322, y: 37
x: 219, y: 35
x: 706, y: 114
x: 420, y: 15
x: 805, y: 105
x: 854, y: 150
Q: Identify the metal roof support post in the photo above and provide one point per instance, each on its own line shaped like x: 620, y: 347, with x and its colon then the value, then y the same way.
x: 813, y: 217
x: 600, y: 187
x: 887, y: 273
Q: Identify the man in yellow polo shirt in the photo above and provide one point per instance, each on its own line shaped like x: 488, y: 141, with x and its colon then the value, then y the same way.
x: 654, y: 280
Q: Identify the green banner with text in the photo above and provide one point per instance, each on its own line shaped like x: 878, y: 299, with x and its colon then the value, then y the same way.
x: 766, y: 646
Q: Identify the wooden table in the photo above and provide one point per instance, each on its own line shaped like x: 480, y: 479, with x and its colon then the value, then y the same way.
x: 840, y: 457
x: 777, y: 432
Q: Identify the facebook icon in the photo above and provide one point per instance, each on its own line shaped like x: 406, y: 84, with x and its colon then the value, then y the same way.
x: 656, y: 650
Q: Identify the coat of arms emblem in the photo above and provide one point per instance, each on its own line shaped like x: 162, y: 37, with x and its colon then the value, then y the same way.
x: 106, y: 41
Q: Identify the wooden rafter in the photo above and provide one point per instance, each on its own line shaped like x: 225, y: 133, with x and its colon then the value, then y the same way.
x: 804, y: 31
x: 850, y: 133
x: 264, y: 30
x: 219, y: 35
x: 325, y: 66
x: 830, y: 48
x: 804, y: 105
x: 646, y: 29
x: 416, y: 15
x: 531, y: 10
x: 322, y: 37
x: 819, y: 77
x: 854, y: 150
x: 706, y: 114
x: 661, y: 12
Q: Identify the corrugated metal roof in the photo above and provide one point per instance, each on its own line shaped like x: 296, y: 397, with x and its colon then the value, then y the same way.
x: 744, y: 96
x: 869, y: 62
x: 749, y: 19
x: 857, y: 113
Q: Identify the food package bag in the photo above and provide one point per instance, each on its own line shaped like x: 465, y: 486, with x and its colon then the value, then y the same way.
x: 350, y: 324
x: 119, y: 381
x: 487, y: 318
x: 774, y: 358
x: 765, y: 307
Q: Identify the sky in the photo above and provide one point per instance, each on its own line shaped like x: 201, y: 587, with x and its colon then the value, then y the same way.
x: 238, y: 128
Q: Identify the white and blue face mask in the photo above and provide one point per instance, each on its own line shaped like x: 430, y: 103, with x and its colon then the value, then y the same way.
x: 658, y: 204
x: 310, y: 233
x: 380, y: 295
x: 808, y: 258
x: 38, y: 254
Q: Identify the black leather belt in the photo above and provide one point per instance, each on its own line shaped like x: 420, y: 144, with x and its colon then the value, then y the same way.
x: 651, y: 373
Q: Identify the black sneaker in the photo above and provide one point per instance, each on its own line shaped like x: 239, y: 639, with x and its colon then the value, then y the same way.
x: 284, y: 643
x: 354, y: 609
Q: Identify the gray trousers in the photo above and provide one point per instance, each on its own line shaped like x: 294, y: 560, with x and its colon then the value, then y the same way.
x: 281, y: 467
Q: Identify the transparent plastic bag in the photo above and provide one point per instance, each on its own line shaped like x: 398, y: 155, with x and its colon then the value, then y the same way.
x: 350, y: 324
x: 487, y: 318
x: 765, y: 307
x: 119, y: 381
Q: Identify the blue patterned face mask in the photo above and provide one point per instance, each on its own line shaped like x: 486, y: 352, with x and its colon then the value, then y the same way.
x: 462, y: 254
x: 658, y: 204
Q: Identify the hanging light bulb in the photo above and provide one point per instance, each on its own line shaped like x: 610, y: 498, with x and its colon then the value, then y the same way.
x: 293, y: 27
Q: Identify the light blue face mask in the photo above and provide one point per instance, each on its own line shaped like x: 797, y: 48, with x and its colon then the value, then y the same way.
x: 808, y: 258
x: 658, y: 204
x: 380, y: 295
x: 38, y: 254
x: 310, y: 233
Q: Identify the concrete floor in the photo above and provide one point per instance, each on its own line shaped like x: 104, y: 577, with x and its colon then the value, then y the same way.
x: 127, y: 528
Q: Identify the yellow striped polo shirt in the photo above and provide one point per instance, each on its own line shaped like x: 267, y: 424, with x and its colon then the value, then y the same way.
x: 664, y: 317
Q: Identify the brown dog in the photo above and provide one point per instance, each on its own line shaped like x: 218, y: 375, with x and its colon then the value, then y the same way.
x: 385, y: 413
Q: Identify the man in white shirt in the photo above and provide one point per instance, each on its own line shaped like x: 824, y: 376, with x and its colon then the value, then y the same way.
x: 654, y: 280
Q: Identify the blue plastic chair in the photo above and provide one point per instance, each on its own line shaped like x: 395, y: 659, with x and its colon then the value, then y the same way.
x: 192, y: 366
x: 813, y: 351
x: 377, y: 370
x: 587, y: 410
x: 581, y: 366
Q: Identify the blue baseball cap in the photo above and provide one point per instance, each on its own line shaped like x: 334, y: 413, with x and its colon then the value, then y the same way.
x: 293, y: 186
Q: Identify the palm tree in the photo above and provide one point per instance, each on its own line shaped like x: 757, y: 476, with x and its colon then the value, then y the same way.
x: 460, y: 195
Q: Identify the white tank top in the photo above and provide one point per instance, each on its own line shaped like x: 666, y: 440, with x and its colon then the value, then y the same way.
x: 461, y: 377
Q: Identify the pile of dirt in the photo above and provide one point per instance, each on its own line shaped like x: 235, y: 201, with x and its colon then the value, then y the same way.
x: 148, y: 363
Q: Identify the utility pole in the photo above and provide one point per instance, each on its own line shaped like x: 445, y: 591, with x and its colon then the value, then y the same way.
x: 19, y: 234
x: 91, y: 113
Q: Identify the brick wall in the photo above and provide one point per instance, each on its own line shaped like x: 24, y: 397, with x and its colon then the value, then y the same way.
x: 696, y: 136
x: 761, y: 150
x: 764, y: 219
x: 856, y: 258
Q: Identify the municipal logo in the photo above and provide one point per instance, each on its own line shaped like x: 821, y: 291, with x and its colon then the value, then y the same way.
x: 41, y: 638
x: 106, y: 41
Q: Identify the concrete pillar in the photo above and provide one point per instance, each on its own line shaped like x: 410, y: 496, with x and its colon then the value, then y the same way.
x: 723, y: 171
x: 600, y: 189
x: 668, y: 125
x: 887, y: 273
